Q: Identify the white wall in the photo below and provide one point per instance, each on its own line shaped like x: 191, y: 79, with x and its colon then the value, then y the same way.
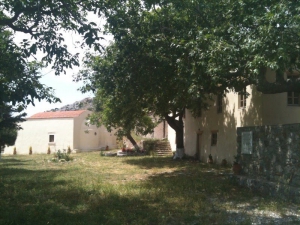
x: 35, y: 133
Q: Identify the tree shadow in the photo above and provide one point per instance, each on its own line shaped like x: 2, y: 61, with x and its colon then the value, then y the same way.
x: 193, y: 193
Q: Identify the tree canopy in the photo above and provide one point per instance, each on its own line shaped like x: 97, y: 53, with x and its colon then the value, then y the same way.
x: 169, y: 56
x: 45, y: 21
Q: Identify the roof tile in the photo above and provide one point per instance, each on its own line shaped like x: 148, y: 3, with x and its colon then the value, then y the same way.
x: 57, y: 114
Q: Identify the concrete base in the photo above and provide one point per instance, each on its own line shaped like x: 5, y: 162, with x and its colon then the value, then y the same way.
x: 179, y: 153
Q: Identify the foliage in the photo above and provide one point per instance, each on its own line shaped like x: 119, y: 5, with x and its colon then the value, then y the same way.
x: 19, y: 86
x: 44, y: 21
x: 119, y: 111
x: 41, y: 24
x: 173, y: 55
x: 9, y: 125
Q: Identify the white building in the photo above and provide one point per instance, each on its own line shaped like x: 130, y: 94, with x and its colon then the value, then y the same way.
x: 60, y: 130
x: 215, y: 132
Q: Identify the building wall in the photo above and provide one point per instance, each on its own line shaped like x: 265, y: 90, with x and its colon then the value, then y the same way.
x: 90, y: 137
x: 261, y: 109
x: 275, y: 107
x: 160, y: 131
x: 35, y: 133
x: 198, y: 131
x: 71, y: 132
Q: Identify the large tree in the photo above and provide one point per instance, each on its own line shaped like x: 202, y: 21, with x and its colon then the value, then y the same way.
x: 175, y: 54
x: 115, y: 104
x: 139, y: 71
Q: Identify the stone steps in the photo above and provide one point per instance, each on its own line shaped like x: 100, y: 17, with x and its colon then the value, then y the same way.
x: 163, y: 148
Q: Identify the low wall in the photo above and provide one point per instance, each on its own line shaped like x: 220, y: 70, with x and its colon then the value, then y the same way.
x: 275, y: 157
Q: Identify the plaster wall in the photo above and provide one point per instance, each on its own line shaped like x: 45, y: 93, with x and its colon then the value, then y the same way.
x: 35, y: 133
x: 89, y: 137
x: 275, y: 107
x: 198, y: 131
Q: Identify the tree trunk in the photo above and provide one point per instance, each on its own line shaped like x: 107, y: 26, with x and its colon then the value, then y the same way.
x: 177, y: 125
x: 133, y: 142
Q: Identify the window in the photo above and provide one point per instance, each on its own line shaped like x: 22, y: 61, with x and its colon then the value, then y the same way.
x: 214, y: 138
x: 242, y: 99
x: 51, y: 138
x: 219, y: 103
x: 292, y: 97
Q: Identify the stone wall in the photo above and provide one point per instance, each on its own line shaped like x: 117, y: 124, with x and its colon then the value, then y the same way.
x: 275, y: 158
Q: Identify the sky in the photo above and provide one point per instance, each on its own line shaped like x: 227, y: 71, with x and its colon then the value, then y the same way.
x: 64, y: 88
x: 63, y: 85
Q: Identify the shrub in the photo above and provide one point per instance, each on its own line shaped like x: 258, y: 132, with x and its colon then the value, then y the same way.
x: 62, y: 156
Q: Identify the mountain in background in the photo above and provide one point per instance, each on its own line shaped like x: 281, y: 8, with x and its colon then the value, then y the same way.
x: 86, y: 103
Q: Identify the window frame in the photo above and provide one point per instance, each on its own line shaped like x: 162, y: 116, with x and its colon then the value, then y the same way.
x: 291, y: 95
x: 214, y: 138
x: 242, y: 99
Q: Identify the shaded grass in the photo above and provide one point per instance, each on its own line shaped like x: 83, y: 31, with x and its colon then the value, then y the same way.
x: 115, y: 190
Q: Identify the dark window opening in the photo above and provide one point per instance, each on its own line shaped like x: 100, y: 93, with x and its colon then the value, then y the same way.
x: 51, y: 138
x: 214, y: 138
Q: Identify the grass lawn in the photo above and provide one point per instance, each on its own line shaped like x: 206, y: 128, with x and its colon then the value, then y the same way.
x: 93, y: 189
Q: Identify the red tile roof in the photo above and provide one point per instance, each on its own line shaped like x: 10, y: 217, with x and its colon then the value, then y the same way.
x: 57, y: 114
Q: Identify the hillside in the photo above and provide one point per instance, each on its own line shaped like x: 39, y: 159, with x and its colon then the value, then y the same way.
x: 86, y: 103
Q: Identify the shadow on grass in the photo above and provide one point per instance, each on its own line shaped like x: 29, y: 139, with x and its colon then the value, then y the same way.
x: 193, y: 194
x: 150, y: 162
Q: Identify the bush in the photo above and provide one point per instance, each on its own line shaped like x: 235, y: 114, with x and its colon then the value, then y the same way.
x: 61, y: 156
